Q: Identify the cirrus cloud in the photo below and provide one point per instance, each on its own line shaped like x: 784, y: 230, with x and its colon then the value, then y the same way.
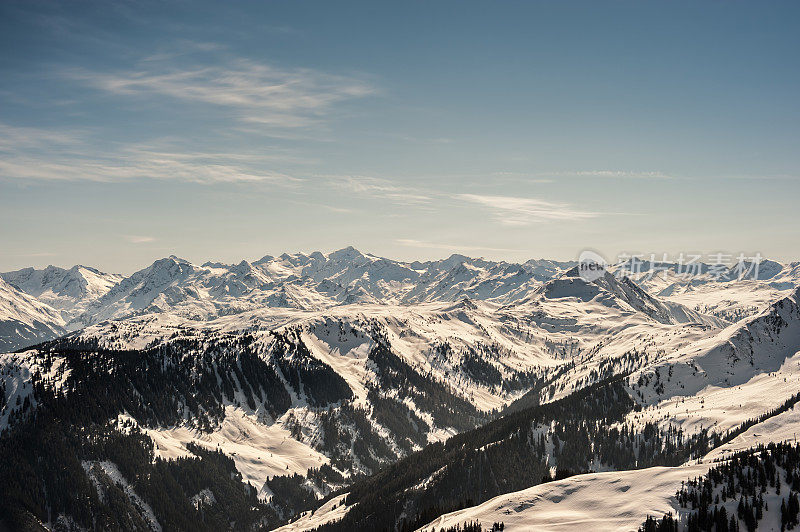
x: 139, y: 239
x: 252, y: 92
x: 459, y: 248
x: 515, y: 211
x: 60, y: 155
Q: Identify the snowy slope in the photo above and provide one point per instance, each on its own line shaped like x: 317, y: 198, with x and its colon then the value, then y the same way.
x: 730, y: 293
x: 68, y: 291
x: 719, y: 381
x: 605, y: 501
x: 610, y: 501
x: 24, y: 320
x: 258, y: 447
x: 332, y: 510
x: 565, y: 319
x: 619, y: 292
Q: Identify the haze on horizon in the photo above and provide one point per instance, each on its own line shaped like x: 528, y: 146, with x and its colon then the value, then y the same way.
x: 136, y: 130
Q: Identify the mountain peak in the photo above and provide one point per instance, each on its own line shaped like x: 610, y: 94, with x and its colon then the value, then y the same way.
x: 172, y: 265
x: 454, y: 261
x: 346, y: 253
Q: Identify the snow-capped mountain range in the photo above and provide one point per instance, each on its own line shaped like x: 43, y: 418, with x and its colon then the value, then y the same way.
x: 68, y: 291
x: 80, y: 296
x: 351, y: 362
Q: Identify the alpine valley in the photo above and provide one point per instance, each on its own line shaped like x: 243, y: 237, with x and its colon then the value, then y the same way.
x: 345, y: 391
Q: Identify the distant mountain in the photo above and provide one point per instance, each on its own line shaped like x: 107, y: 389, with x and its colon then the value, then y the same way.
x: 68, y: 291
x: 316, y: 281
x: 730, y: 293
x: 307, y: 282
x: 763, y: 343
x: 25, y: 321
x: 616, y: 292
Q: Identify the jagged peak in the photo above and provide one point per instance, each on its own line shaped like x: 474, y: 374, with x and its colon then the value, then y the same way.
x: 457, y: 257
x: 243, y: 267
x: 346, y: 253
x: 169, y: 263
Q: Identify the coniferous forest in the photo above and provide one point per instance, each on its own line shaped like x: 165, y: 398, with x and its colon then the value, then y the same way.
x: 72, y: 462
x: 742, y: 492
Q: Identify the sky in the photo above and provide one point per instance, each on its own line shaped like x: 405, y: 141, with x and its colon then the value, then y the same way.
x: 131, y: 131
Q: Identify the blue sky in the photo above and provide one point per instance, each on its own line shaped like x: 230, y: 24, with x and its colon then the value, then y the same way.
x: 508, y: 130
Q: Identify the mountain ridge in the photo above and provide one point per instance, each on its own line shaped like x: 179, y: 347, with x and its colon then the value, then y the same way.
x: 307, y: 373
x: 84, y: 296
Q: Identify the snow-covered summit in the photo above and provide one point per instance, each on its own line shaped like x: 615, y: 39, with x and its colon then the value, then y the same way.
x: 620, y: 293
x: 24, y: 320
x: 68, y: 290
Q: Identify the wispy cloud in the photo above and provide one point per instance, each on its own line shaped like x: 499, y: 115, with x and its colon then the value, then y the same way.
x: 450, y: 247
x: 139, y: 239
x: 628, y: 174
x: 376, y: 187
x: 39, y: 154
x: 623, y: 174
x: 15, y: 138
x: 250, y: 98
x: 253, y: 92
x: 330, y: 208
x: 333, y: 208
x: 522, y: 177
x: 514, y: 211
